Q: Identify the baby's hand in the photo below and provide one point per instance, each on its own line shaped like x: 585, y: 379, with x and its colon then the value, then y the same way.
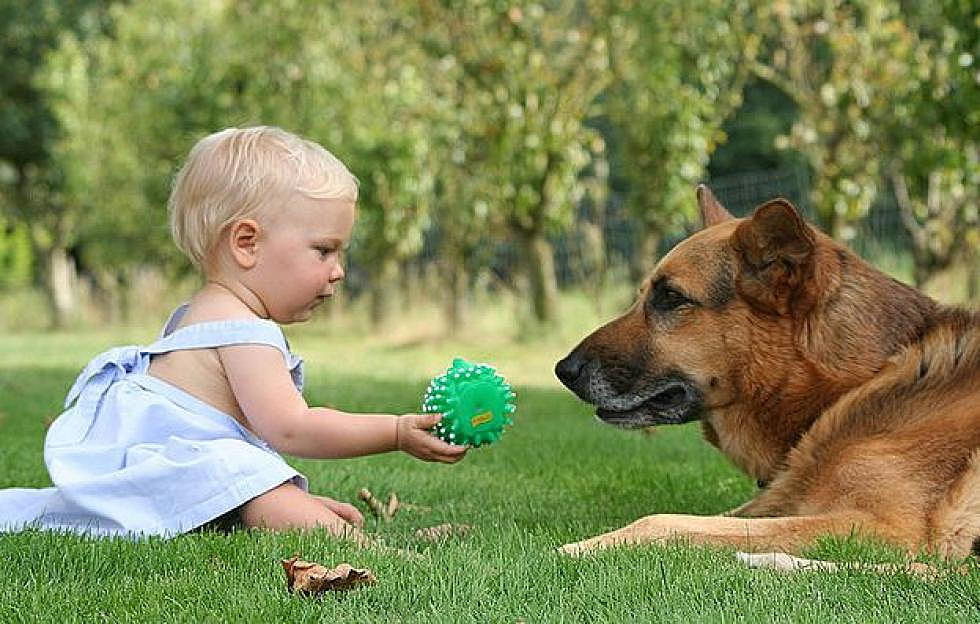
x: 414, y: 439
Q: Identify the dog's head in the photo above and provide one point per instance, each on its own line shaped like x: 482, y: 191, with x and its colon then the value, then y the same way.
x: 720, y: 301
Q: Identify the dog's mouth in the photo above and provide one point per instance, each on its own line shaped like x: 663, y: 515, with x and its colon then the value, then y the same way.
x: 625, y: 397
x: 670, y: 401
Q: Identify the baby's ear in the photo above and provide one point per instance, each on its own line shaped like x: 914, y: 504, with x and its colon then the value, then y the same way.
x: 242, y: 239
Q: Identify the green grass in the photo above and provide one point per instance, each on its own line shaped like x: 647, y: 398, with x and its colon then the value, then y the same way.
x: 556, y: 476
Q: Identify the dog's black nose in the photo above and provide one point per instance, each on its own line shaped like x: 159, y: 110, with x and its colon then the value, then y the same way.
x: 569, y: 369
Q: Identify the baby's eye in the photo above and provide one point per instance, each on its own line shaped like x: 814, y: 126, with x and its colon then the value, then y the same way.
x: 325, y: 251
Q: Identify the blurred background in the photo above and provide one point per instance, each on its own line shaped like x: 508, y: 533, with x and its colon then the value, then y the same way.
x: 519, y: 162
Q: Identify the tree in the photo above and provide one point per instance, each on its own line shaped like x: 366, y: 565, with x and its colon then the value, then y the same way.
x: 530, y: 76
x: 836, y: 59
x: 34, y: 192
x: 132, y: 99
x: 388, y: 128
x: 935, y: 169
x: 678, y: 71
x: 173, y: 71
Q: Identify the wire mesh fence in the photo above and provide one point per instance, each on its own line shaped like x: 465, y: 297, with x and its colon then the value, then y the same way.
x: 880, y: 232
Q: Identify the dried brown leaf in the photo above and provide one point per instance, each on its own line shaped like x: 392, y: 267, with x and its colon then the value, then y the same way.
x: 306, y: 577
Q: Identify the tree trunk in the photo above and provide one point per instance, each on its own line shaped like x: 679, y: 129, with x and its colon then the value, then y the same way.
x: 592, y: 264
x: 409, y: 285
x: 382, y: 291
x: 923, y: 267
x: 539, y: 263
x: 645, y: 255
x: 973, y: 276
x: 60, y: 283
x: 455, y: 281
x: 455, y: 298
x: 56, y: 275
x: 124, y: 295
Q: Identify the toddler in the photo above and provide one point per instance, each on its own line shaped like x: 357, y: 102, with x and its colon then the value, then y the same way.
x: 160, y: 440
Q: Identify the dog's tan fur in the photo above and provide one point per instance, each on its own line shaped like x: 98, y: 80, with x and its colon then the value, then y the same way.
x: 854, y: 398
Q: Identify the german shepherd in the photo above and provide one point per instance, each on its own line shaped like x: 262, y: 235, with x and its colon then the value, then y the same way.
x: 853, y: 399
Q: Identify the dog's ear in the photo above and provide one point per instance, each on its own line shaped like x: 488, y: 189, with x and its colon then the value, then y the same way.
x: 775, y: 248
x: 712, y: 212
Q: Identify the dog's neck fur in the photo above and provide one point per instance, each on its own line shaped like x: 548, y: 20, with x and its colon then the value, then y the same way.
x: 773, y: 417
x: 851, y: 299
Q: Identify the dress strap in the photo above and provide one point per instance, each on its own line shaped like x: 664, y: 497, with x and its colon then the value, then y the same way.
x: 222, y: 334
x: 214, y: 334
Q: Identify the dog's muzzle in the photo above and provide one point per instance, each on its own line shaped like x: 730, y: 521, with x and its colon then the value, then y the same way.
x: 665, y: 399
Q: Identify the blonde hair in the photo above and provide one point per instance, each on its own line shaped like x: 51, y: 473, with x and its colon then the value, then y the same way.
x: 233, y: 174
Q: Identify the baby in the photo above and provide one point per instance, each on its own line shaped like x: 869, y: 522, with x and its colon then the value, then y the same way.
x: 163, y: 439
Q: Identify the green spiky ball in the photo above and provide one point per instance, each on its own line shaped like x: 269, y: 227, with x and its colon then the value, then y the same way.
x: 475, y: 402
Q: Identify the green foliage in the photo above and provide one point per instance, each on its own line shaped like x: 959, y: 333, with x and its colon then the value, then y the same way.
x: 518, y: 84
x: 525, y: 79
x: 840, y: 62
x: 935, y: 171
x: 131, y: 108
x: 475, y: 123
x: 751, y: 132
x: 32, y: 180
x: 679, y: 70
x: 27, y: 31
x: 15, y: 255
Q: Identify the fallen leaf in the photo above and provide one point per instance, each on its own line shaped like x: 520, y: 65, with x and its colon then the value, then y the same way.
x: 443, y: 531
x: 306, y: 577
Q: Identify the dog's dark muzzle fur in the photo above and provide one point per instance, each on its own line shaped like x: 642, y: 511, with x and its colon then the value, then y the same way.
x: 627, y: 397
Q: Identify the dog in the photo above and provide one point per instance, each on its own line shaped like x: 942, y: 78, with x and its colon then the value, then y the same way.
x: 853, y: 399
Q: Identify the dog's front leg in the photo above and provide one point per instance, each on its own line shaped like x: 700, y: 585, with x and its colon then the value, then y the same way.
x: 649, y: 529
x: 789, y: 534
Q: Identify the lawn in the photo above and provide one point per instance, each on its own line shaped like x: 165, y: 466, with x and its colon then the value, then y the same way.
x: 558, y: 475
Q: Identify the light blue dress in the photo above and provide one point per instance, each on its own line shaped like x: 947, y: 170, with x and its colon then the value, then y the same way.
x: 134, y: 455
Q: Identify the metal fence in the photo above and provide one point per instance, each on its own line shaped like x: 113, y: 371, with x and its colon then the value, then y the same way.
x: 880, y: 232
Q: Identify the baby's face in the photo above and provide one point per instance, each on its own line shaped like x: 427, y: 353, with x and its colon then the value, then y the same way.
x: 300, y: 255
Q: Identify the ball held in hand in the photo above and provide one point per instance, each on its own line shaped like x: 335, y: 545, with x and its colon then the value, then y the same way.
x: 475, y: 402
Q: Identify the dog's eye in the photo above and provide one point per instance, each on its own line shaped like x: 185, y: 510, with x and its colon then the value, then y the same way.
x: 663, y: 298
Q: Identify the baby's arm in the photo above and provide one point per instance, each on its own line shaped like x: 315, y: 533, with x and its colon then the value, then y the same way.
x: 278, y: 413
